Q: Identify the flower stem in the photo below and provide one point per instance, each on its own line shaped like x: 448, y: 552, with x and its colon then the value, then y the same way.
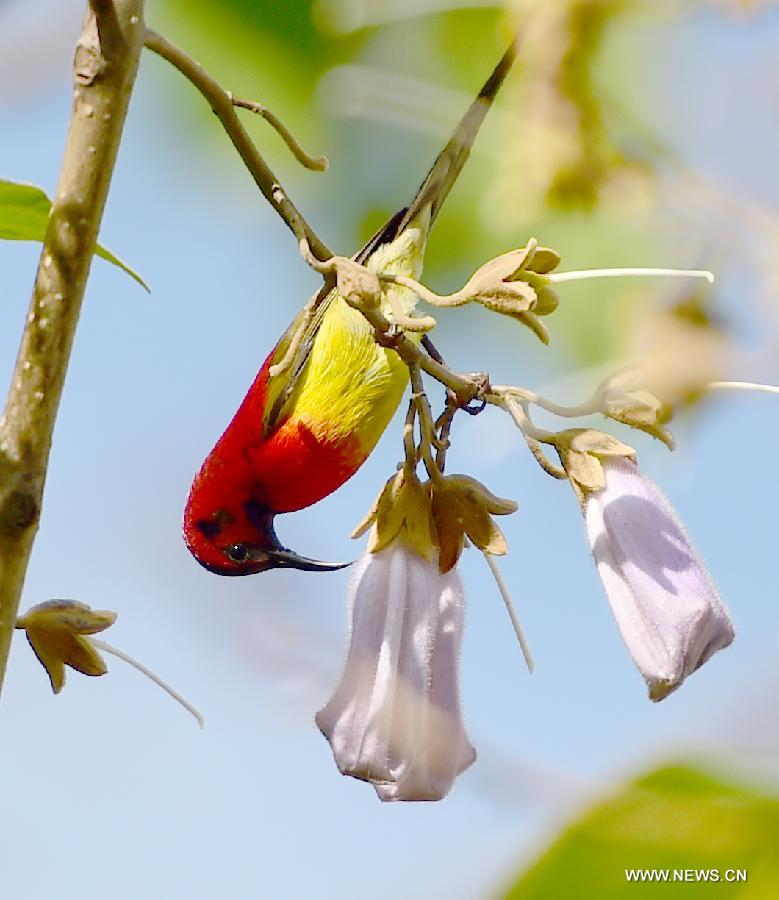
x: 588, y: 408
x: 427, y: 433
x: 408, y: 437
x: 534, y: 437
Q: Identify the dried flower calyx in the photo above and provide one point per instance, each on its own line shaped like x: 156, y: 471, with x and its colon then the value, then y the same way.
x: 57, y: 631
x: 515, y: 284
x: 462, y: 507
x: 402, y: 510
x: 583, y: 451
x: 436, y: 516
x: 630, y: 405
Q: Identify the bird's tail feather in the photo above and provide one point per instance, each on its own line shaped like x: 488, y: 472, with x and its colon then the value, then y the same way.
x: 449, y: 162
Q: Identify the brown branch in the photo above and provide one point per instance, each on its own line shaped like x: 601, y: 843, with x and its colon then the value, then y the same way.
x: 443, y: 427
x: 221, y: 103
x: 315, y: 163
x: 109, y: 28
x: 103, y: 80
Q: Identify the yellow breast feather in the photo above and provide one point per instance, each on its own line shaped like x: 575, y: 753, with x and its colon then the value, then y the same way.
x: 351, y: 385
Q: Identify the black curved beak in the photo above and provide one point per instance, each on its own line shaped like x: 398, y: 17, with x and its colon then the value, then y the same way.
x: 273, y: 554
x: 288, y: 559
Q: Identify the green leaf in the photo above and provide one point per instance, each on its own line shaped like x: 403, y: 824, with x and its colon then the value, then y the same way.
x: 24, y: 214
x: 675, y: 818
x: 106, y: 254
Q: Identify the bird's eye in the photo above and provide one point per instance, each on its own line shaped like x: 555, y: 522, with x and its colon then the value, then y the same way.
x: 237, y: 552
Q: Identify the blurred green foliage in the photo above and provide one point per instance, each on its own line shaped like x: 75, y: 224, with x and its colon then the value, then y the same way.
x: 578, y: 184
x: 675, y: 818
x: 289, y: 21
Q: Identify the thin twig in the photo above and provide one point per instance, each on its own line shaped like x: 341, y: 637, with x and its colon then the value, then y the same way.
x: 103, y: 85
x: 587, y: 408
x: 221, y: 103
x: 109, y: 28
x: 428, y: 439
x: 458, y: 298
x: 430, y: 347
x: 443, y: 428
x: 315, y: 163
x: 521, y: 416
x: 533, y: 436
x: 415, y: 325
x: 408, y: 436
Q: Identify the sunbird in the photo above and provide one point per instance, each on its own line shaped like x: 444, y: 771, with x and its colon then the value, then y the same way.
x: 300, y: 433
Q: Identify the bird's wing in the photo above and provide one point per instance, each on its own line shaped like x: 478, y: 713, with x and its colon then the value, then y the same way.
x: 281, y: 387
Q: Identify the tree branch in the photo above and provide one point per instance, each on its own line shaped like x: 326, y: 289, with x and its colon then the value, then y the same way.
x: 315, y: 163
x: 221, y: 102
x: 109, y: 28
x: 103, y: 81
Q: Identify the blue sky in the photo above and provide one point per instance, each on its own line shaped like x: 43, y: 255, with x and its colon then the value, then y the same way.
x: 109, y: 788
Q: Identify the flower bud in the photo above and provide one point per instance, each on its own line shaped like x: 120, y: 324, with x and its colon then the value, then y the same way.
x: 622, y: 401
x: 461, y: 507
x: 583, y: 452
x: 515, y: 284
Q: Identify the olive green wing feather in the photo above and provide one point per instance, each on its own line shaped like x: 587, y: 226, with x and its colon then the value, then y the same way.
x: 432, y: 193
x: 283, y: 386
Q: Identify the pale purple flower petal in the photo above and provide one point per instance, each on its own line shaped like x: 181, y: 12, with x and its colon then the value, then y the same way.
x: 394, y: 719
x: 666, y: 606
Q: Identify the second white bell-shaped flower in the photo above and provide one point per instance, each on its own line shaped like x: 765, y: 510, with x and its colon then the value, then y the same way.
x: 667, y: 608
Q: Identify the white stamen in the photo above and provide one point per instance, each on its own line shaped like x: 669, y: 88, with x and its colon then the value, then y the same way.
x: 584, y: 274
x: 743, y: 386
x: 120, y: 654
x: 511, y: 611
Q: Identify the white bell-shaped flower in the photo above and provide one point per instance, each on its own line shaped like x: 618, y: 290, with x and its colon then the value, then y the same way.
x: 394, y: 719
x: 666, y: 606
